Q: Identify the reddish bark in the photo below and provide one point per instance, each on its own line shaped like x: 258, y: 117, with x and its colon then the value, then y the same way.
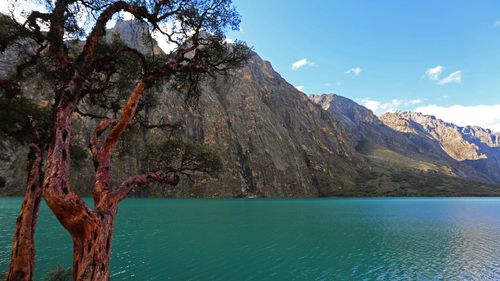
x: 87, y: 55
x: 102, y: 162
x: 23, y: 247
x: 92, y: 247
x: 91, y: 230
x: 128, y: 112
x: 141, y: 180
x: 71, y: 211
x: 67, y: 206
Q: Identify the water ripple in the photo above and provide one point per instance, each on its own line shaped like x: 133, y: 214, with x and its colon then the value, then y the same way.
x: 316, y: 239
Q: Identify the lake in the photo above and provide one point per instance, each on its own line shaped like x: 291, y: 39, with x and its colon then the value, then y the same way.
x: 286, y: 239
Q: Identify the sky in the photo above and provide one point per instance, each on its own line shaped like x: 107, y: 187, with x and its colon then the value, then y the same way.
x: 436, y: 57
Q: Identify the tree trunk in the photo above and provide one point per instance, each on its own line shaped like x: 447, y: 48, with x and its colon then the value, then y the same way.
x: 23, y: 247
x: 92, y: 250
x: 87, y: 227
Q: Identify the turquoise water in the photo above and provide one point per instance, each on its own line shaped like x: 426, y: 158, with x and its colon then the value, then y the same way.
x: 302, y: 239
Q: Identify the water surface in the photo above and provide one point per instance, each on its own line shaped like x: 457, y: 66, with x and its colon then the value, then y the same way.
x: 301, y: 239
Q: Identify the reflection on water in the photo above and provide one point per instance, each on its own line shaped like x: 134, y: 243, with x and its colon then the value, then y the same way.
x: 307, y: 239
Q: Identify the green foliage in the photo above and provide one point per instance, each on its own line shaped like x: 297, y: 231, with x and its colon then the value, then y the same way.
x: 221, y: 56
x: 60, y: 274
x: 118, y: 64
x: 178, y: 155
x: 3, y: 181
x: 110, y: 71
x: 78, y: 153
x: 112, y: 81
x: 14, y: 117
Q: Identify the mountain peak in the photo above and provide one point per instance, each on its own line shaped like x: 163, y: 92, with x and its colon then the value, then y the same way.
x: 468, y: 143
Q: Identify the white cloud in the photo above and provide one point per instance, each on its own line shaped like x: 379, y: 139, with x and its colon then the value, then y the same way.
x: 497, y: 23
x: 301, y: 63
x: 373, y: 105
x: 379, y: 107
x: 486, y: 116
x: 455, y: 77
x: 433, y: 73
x: 356, y: 71
x: 300, y: 88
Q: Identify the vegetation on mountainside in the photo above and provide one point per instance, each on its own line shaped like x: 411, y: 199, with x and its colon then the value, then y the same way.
x: 89, y: 76
x: 387, y: 179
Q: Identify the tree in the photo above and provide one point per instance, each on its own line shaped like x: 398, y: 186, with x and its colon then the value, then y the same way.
x: 90, y: 73
x: 18, y: 122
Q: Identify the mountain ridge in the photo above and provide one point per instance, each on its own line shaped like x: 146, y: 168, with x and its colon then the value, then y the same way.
x: 274, y: 141
x: 476, y: 146
x: 421, y: 136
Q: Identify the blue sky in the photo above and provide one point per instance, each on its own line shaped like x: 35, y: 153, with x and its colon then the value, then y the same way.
x: 438, y: 57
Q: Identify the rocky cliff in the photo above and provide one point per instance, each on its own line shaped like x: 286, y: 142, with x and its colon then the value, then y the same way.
x: 476, y: 147
x: 399, y: 154
x: 275, y: 141
x: 368, y: 132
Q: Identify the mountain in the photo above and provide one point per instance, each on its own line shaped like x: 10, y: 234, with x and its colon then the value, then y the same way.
x: 474, y: 146
x: 370, y: 134
x: 395, y: 151
x: 274, y: 141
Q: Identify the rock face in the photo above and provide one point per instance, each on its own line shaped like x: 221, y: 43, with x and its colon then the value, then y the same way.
x: 367, y: 131
x: 277, y: 142
x: 474, y: 146
x: 412, y: 144
x: 274, y: 141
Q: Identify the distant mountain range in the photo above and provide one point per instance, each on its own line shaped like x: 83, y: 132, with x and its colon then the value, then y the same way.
x: 277, y: 142
x: 417, y: 141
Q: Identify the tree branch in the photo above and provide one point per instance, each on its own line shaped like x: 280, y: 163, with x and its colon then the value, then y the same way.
x: 12, y: 87
x: 23, y: 246
x: 55, y: 35
x: 31, y: 22
x: 87, y: 55
x: 71, y: 211
x: 129, y: 110
x: 143, y: 123
x: 102, y: 162
x: 90, y: 115
x: 141, y: 180
x: 128, y: 113
x: 94, y: 139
